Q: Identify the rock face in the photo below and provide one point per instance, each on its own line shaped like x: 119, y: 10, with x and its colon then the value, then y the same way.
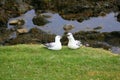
x: 35, y: 36
x: 4, y: 35
x: 22, y: 31
x: 68, y: 9
x: 12, y: 8
x: 118, y: 17
x: 40, y: 20
x: 3, y: 18
x: 97, y: 39
x: 68, y: 27
x: 17, y: 22
x: 118, y: 4
x: 78, y: 9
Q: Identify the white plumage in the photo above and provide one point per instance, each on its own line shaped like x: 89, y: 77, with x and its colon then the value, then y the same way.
x: 72, y: 43
x: 55, y: 45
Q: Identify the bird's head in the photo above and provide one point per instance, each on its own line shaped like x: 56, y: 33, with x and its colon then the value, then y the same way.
x: 58, y: 37
x: 70, y: 36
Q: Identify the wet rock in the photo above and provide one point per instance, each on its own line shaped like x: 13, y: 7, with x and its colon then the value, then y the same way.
x: 115, y: 50
x: 100, y: 40
x: 12, y: 8
x: 112, y: 38
x: 115, y: 34
x: 36, y: 31
x: 24, y: 7
x: 90, y: 35
x: 22, y: 31
x: 98, y: 28
x: 114, y: 41
x: 40, y: 20
x: 3, y: 18
x: 102, y: 14
x: 45, y: 16
x: 103, y: 45
x: 78, y: 9
x: 118, y: 4
x: 34, y: 36
x: 4, y: 35
x: 17, y: 22
x: 68, y: 27
x: 118, y: 17
x: 71, y: 10
x: 13, y: 35
x: 39, y: 4
x: 14, y: 22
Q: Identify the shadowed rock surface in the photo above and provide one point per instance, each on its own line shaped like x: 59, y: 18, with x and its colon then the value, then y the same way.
x: 118, y: 17
x: 79, y: 10
x: 34, y: 36
x: 12, y: 8
x: 40, y: 20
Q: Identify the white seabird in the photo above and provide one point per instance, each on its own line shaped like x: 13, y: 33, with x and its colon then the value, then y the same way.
x: 55, y: 45
x: 72, y: 43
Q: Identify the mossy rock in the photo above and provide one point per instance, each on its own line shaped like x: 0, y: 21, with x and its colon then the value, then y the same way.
x: 40, y: 20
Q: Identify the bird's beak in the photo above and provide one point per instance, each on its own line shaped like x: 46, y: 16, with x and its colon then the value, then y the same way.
x: 60, y: 37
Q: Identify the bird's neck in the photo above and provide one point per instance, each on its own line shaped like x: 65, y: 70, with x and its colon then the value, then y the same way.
x: 72, y: 39
x: 57, y: 41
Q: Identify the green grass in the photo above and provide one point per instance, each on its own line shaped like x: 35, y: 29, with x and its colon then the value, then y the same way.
x: 34, y: 62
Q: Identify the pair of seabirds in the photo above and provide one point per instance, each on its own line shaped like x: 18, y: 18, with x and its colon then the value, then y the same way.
x: 72, y: 43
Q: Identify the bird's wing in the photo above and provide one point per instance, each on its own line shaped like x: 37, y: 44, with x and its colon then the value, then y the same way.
x: 50, y: 44
x: 78, y: 43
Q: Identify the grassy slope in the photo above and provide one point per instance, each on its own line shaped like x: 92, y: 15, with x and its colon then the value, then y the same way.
x: 34, y: 62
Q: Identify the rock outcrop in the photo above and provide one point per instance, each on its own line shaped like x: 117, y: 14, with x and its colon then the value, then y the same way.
x: 12, y: 8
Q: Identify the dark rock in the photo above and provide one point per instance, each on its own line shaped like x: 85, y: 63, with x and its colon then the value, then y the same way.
x: 4, y: 35
x: 68, y: 27
x: 118, y: 17
x: 112, y: 38
x: 98, y: 28
x: 40, y: 20
x: 34, y: 36
x: 24, y: 7
x: 118, y: 4
x: 114, y: 41
x: 36, y: 31
x: 3, y: 18
x: 102, y: 14
x: 77, y: 9
x: 100, y: 40
x: 103, y: 45
x: 115, y: 34
x: 12, y: 8
x: 39, y: 4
